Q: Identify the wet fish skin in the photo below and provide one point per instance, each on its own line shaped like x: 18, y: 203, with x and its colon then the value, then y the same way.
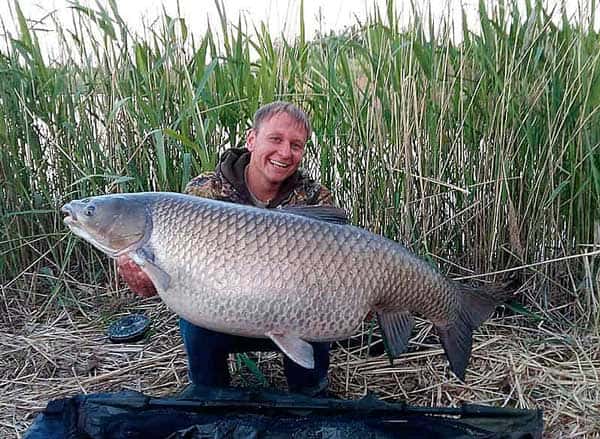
x: 268, y: 273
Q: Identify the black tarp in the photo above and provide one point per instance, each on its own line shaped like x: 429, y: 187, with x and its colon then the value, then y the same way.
x: 245, y: 413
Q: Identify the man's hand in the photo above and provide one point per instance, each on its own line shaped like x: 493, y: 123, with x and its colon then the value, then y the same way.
x: 134, y: 277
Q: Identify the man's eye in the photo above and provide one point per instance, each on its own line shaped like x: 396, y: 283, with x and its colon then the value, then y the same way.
x: 276, y: 139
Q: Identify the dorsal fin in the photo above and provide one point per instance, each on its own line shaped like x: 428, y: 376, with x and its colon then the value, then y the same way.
x: 330, y: 214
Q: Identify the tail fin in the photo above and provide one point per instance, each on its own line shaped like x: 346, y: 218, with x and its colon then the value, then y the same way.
x: 456, y: 337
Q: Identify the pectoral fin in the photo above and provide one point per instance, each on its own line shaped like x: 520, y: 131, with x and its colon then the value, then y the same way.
x: 294, y: 347
x: 396, y: 327
x: 157, y: 275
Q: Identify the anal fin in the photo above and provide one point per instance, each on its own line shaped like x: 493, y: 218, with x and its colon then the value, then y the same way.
x: 298, y: 350
x: 396, y: 327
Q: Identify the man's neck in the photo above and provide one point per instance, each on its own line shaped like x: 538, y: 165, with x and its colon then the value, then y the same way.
x: 262, y: 190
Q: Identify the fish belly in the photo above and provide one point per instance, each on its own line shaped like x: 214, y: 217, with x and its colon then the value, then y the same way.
x: 252, y: 311
x: 250, y: 271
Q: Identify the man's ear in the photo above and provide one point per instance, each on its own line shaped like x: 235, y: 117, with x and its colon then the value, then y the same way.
x: 251, y: 139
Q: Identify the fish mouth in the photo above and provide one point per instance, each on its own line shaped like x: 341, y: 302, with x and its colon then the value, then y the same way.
x: 70, y: 215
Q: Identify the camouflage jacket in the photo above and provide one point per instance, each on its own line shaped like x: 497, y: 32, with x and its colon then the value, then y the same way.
x: 227, y: 183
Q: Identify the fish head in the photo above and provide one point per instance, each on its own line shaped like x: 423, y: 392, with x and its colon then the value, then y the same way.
x: 115, y: 224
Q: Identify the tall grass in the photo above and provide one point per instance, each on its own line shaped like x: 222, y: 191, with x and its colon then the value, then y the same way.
x: 480, y: 154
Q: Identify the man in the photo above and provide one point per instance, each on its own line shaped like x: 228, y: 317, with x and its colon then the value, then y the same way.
x: 264, y: 174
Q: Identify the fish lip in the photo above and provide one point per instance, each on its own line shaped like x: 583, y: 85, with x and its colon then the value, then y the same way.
x: 71, y: 216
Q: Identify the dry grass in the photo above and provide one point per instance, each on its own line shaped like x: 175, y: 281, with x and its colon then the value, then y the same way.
x: 52, y: 351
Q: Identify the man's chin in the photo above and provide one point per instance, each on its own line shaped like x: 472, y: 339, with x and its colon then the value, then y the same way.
x: 278, y: 177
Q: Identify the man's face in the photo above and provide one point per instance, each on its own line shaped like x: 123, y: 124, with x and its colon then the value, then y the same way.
x: 277, y: 147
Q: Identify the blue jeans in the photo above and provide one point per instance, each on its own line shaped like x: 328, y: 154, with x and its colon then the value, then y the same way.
x: 207, y: 353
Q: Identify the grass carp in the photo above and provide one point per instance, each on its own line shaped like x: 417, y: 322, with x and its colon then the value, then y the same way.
x: 292, y: 274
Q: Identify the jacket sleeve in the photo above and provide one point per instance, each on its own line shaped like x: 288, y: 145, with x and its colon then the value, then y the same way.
x: 206, y: 185
x: 324, y: 197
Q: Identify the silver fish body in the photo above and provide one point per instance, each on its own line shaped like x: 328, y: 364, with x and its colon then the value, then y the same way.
x: 268, y: 273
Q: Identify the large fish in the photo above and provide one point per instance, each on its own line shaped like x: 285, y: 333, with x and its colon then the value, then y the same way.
x: 292, y: 274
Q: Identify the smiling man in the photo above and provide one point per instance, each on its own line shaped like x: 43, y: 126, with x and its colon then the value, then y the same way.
x: 264, y: 174
x: 276, y: 146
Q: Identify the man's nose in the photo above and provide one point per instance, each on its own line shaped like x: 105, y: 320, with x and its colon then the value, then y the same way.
x: 285, y: 149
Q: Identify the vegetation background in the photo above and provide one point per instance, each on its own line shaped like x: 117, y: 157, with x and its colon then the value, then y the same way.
x: 479, y: 153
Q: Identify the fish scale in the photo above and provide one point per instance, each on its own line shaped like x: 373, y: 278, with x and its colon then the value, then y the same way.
x: 291, y: 283
x: 281, y: 273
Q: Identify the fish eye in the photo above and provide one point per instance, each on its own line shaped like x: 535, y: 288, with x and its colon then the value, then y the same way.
x: 89, y: 210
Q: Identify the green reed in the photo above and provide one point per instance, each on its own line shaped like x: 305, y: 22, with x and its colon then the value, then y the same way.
x: 480, y: 154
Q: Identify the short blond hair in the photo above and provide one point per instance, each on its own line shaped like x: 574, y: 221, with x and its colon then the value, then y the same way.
x: 267, y: 111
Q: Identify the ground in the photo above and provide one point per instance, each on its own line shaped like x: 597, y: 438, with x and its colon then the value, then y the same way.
x: 55, y: 346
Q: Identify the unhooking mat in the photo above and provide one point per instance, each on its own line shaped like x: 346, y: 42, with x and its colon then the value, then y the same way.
x: 244, y: 414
